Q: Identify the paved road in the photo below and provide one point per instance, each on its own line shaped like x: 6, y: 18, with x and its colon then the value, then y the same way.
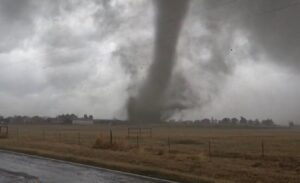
x: 20, y: 168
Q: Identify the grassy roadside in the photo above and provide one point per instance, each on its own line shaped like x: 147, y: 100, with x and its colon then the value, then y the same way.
x: 119, y: 166
x: 179, y: 154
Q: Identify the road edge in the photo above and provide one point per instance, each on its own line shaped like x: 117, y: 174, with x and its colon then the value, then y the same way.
x: 157, y: 176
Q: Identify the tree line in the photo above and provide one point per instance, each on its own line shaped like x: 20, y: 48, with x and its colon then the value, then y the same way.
x: 231, y: 122
x: 59, y: 119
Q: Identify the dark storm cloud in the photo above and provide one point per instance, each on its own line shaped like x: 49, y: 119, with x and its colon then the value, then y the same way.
x: 15, y: 22
x: 16, y: 10
x: 271, y: 25
x: 275, y: 27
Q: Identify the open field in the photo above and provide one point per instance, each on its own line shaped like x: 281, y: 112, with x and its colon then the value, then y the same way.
x: 183, y: 153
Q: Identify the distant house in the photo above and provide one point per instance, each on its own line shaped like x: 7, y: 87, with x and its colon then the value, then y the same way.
x: 82, y: 122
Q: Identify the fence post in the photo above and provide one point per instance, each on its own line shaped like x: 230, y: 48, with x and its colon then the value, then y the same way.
x: 128, y: 132
x: 209, y: 148
x: 7, y: 132
x: 59, y: 136
x: 137, y: 140
x: 44, y: 135
x: 169, y: 144
x: 111, y: 137
x: 79, y: 140
x: 140, y: 132
x: 18, y: 136
x: 262, y: 148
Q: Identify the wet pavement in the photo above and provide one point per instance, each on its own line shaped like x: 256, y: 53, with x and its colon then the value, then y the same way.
x: 15, y: 177
x: 20, y: 168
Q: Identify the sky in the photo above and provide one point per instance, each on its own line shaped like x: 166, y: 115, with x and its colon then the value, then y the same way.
x: 234, y: 58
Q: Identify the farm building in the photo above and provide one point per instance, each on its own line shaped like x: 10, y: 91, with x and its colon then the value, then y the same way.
x: 82, y: 122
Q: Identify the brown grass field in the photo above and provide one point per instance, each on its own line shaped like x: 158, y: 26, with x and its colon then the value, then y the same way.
x: 181, y: 153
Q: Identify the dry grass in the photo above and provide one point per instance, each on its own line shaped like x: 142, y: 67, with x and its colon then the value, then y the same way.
x: 178, y: 153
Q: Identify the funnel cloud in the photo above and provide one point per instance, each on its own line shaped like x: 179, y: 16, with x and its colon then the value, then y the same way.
x: 148, y: 104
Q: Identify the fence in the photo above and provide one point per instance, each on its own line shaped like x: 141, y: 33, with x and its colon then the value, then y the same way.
x: 3, y: 131
x: 56, y: 136
x: 175, y: 142
x: 137, y: 134
x: 140, y: 132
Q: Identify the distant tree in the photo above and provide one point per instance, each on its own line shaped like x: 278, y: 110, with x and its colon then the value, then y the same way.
x: 213, y: 121
x: 73, y: 116
x: 205, y: 121
x: 17, y: 119
x: 91, y: 117
x: 250, y: 122
x: 256, y: 122
x: 225, y: 121
x: 7, y: 120
x: 291, y: 124
x: 48, y: 120
x: 2, y: 119
x: 85, y: 116
x: 66, y: 118
x: 243, y: 121
x: 34, y: 119
x: 267, y: 122
x: 234, y: 121
x: 198, y: 122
